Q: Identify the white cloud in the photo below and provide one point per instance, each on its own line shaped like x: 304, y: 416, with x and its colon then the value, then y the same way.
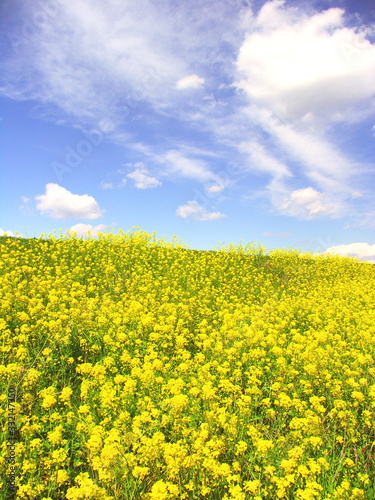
x: 59, y: 203
x: 306, y: 203
x: 192, y: 210
x: 132, y: 61
x: 27, y: 207
x: 362, y: 251
x: 6, y: 233
x: 298, y: 64
x: 300, y: 80
x: 83, y: 229
x: 115, y: 47
x: 106, y: 185
x: 316, y: 158
x: 124, y: 54
x: 261, y: 160
x: 190, y: 82
x: 316, y: 153
x: 195, y: 169
x: 141, y: 178
x: 216, y: 188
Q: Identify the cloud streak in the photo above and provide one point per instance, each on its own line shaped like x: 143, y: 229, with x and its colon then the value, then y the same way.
x: 190, y: 82
x: 192, y: 210
x: 142, y: 179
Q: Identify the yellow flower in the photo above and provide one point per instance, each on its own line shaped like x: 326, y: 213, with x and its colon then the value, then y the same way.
x: 36, y: 443
x: 31, y: 377
x: 65, y: 394
x: 49, y: 397
x: 84, y: 409
x: 358, y: 493
x: 59, y: 456
x: 55, y: 436
x: 140, y: 472
x: 86, y: 489
x: 264, y: 445
x: 358, y: 396
x: 178, y: 403
x: 164, y: 359
x: 349, y: 462
x: 62, y: 477
x: 163, y: 490
x: 241, y: 447
x: 252, y: 486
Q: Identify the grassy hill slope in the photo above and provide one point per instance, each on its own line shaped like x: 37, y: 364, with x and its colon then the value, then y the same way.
x: 145, y: 370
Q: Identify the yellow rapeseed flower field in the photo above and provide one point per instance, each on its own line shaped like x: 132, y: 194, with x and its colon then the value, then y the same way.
x: 146, y: 370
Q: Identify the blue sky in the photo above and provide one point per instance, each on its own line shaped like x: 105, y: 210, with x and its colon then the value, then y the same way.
x: 215, y: 121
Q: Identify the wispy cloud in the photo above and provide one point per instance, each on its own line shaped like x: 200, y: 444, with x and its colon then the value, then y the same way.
x: 176, y: 163
x: 273, y: 88
x: 215, y: 188
x: 190, y: 82
x: 262, y: 161
x: 123, y: 55
x: 295, y: 71
x: 192, y: 210
x: 141, y: 177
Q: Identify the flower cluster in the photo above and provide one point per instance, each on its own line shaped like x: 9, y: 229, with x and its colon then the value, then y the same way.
x: 146, y: 370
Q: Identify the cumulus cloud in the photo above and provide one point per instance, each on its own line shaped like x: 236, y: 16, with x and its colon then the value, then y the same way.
x: 141, y: 177
x: 6, y: 233
x: 59, y: 203
x: 362, y: 251
x: 300, y: 64
x: 300, y: 80
x: 192, y: 210
x: 307, y: 203
x: 83, y: 229
x: 190, y: 82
